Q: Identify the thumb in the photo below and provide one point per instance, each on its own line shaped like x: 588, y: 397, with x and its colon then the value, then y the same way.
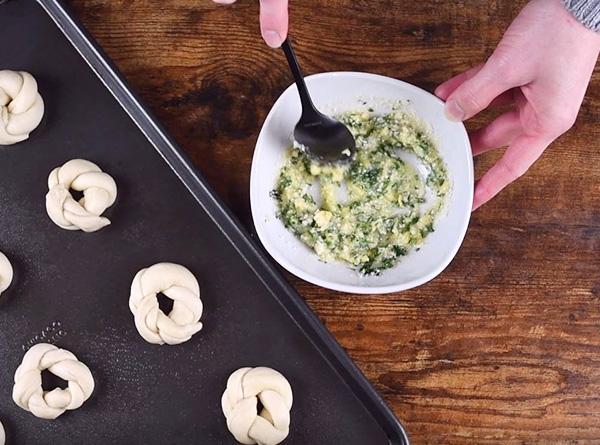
x: 476, y: 93
x: 274, y: 21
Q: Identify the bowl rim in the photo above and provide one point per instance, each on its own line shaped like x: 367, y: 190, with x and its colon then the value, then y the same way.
x: 358, y: 289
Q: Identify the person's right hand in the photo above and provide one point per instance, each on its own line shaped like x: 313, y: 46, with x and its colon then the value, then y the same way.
x: 273, y: 20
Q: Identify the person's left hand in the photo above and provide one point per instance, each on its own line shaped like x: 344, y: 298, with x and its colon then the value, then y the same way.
x: 273, y: 20
x: 542, y: 67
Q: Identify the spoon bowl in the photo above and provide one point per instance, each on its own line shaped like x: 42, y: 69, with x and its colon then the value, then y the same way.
x: 320, y: 136
x: 325, y: 139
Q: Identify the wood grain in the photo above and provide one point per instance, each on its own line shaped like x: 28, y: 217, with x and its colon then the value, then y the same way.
x: 504, y: 346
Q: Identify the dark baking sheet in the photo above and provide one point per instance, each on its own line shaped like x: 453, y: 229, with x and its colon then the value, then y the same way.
x: 73, y: 288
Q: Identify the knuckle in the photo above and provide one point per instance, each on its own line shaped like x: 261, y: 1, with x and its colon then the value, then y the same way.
x: 551, y: 123
x: 503, y: 67
x: 487, y: 135
x: 564, y: 120
x: 556, y: 123
x: 469, y: 100
x: 503, y: 70
x: 511, y: 170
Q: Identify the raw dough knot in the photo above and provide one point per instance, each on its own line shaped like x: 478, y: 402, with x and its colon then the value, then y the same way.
x: 245, y: 388
x: 6, y: 273
x: 180, y: 285
x: 99, y: 193
x: 21, y: 106
x: 28, y: 392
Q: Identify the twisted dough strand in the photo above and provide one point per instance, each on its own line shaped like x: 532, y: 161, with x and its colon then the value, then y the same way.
x: 6, y: 273
x: 177, y: 283
x: 21, y: 106
x: 99, y: 193
x: 245, y: 387
x: 28, y: 392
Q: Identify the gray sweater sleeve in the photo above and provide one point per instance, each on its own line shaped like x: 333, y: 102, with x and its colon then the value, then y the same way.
x: 586, y: 11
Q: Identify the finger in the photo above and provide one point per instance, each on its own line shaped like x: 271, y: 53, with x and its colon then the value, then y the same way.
x: 502, y: 131
x: 445, y: 89
x: 274, y: 21
x: 517, y: 159
x: 476, y: 94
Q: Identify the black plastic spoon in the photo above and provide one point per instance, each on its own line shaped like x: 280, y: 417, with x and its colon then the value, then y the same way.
x: 320, y: 136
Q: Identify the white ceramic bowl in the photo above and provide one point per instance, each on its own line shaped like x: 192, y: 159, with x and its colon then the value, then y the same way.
x: 334, y: 93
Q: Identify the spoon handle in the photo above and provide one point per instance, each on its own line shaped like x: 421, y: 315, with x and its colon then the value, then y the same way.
x: 307, y: 105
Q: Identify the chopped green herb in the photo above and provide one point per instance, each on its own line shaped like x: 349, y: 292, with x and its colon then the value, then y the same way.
x: 383, y: 215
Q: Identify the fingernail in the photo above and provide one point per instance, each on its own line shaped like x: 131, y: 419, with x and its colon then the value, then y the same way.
x: 454, y: 111
x: 273, y: 38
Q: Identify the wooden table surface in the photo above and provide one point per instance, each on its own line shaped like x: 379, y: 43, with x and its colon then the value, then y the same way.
x: 504, y: 346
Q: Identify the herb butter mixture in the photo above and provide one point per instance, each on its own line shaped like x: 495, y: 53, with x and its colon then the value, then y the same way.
x: 373, y: 210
